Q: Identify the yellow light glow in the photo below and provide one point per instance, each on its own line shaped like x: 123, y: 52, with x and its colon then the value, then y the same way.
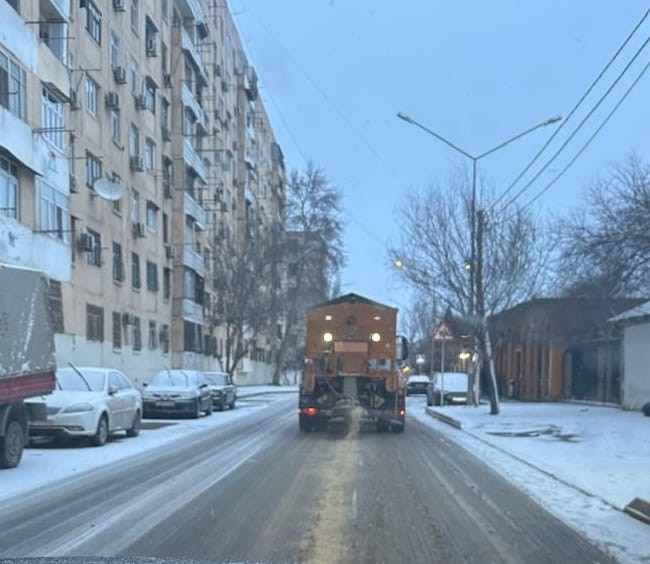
x: 399, y: 263
x: 328, y: 317
x: 328, y: 337
x: 377, y: 317
x: 375, y: 337
x: 464, y: 355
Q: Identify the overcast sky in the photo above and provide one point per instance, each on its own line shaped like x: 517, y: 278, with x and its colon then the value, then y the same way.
x: 334, y: 73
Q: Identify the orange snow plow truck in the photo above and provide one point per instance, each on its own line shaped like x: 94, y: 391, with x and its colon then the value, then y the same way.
x: 352, y: 374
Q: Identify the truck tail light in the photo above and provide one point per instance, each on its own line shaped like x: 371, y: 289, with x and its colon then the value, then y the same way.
x: 311, y: 411
x: 402, y: 412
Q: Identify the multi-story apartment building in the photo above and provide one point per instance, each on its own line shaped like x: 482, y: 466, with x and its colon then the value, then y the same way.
x: 149, y: 95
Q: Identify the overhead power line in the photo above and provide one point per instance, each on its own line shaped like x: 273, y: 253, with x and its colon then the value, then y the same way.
x: 579, y: 126
x: 573, y: 110
x: 588, y: 142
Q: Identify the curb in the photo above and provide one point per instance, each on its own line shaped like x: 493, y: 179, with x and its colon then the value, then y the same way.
x: 455, y: 423
x: 444, y: 418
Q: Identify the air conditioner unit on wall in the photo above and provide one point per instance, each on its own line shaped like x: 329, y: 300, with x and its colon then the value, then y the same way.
x: 113, y: 100
x: 137, y: 163
x: 73, y: 184
x: 167, y: 80
x: 152, y: 48
x: 139, y: 230
x: 140, y: 101
x: 119, y: 5
x: 168, y: 190
x: 170, y: 252
x: 74, y: 100
x: 85, y: 243
x: 119, y: 73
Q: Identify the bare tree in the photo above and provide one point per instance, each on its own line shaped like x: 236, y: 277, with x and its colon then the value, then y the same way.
x: 434, y: 255
x: 606, y: 248
x: 434, y: 250
x: 312, y: 249
x: 243, y: 285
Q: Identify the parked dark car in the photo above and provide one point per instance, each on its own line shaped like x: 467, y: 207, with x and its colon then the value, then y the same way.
x: 177, y: 392
x: 222, y: 390
x: 448, y: 388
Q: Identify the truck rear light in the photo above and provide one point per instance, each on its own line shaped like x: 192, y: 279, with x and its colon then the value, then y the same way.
x: 311, y: 411
x: 402, y: 412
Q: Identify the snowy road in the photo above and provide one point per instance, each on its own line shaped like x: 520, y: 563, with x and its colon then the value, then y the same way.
x: 256, y: 489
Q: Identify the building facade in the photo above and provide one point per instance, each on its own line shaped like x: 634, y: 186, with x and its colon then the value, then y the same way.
x: 560, y: 348
x: 157, y: 99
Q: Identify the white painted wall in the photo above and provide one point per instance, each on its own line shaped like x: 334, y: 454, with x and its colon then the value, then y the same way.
x: 140, y: 366
x: 252, y: 373
x: 18, y: 37
x: 636, y: 376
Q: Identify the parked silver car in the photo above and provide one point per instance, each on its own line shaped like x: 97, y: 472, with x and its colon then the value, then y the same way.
x: 177, y: 391
x: 222, y: 390
x: 90, y: 402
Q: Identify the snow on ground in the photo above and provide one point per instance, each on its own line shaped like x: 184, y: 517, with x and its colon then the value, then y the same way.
x: 602, y: 466
x: 268, y: 389
x: 49, y: 462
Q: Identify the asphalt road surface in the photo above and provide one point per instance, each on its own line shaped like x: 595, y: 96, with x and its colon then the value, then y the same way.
x: 259, y: 490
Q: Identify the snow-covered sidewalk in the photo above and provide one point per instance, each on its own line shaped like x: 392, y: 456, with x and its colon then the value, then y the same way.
x: 604, y: 451
x: 583, y: 463
x: 247, y: 391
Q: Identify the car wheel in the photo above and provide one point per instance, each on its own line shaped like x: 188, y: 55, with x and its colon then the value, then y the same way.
x: 232, y: 404
x: 397, y: 428
x: 134, y: 431
x: 12, y: 445
x: 209, y: 410
x: 101, y: 435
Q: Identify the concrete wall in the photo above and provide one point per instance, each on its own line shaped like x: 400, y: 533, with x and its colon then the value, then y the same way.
x: 636, y: 378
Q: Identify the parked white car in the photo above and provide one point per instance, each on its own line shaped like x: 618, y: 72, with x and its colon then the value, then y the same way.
x: 90, y: 402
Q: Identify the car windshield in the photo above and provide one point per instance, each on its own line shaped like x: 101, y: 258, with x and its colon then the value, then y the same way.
x: 175, y: 378
x: 70, y: 380
x: 452, y: 381
x: 217, y: 379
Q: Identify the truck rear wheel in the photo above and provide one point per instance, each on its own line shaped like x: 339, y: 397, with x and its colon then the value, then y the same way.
x: 12, y: 445
x: 397, y: 428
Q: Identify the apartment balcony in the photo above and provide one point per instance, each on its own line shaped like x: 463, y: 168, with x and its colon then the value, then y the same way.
x: 61, y: 6
x: 52, y: 71
x: 194, y: 260
x: 192, y: 311
x: 195, y: 210
x: 191, y: 9
x: 22, y: 144
x: 194, y: 160
x: 188, y: 46
x: 19, y: 245
x: 190, y: 101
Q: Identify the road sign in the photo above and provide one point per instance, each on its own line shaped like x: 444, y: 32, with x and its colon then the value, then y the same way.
x: 442, y: 333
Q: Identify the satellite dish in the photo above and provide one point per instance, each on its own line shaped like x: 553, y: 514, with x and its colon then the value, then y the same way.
x: 108, y: 189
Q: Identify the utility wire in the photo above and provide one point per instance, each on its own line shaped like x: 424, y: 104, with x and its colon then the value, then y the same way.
x: 588, y: 142
x: 578, y: 127
x: 573, y: 110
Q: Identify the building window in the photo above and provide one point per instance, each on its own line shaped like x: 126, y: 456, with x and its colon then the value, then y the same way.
x: 134, y: 142
x: 164, y: 338
x: 94, y: 323
x: 152, y: 217
x: 134, y: 15
x: 135, y: 271
x: 193, y: 286
x: 165, y: 228
x: 55, y: 300
x: 150, y: 95
x: 117, y: 330
x: 93, y: 169
x: 8, y: 188
x: 137, y: 335
x: 115, y: 50
x: 95, y: 254
x: 91, y: 96
x: 149, y: 154
x: 115, y: 125
x: 189, y: 73
x: 54, y: 214
x: 152, y: 276
x: 118, y: 263
x: 135, y: 206
x: 164, y: 113
x: 13, y: 87
x: 167, y: 283
x: 153, y: 335
x: 133, y: 77
x: 52, y: 118
x: 94, y: 21
x: 188, y: 123
x: 193, y: 337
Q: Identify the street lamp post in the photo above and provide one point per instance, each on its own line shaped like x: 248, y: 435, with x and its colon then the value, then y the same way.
x: 475, y: 284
